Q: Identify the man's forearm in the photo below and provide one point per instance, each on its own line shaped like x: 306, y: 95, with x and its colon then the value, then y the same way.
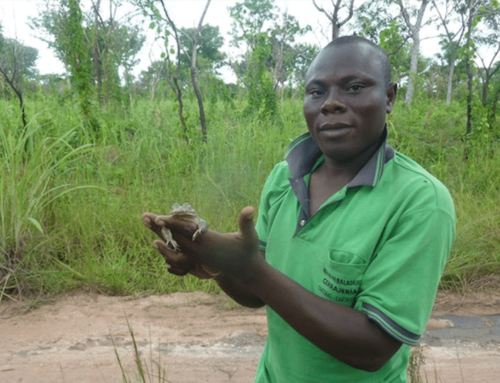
x: 235, y: 290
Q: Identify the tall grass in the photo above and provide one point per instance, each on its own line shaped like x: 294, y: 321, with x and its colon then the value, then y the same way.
x: 32, y: 177
x: 54, y: 240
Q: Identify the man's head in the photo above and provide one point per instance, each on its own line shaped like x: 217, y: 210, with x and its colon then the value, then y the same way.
x: 348, y: 94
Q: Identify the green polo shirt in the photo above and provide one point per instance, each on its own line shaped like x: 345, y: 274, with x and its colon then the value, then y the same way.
x: 378, y: 245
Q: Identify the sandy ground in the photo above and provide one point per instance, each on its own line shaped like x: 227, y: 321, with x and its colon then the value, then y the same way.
x: 197, y: 337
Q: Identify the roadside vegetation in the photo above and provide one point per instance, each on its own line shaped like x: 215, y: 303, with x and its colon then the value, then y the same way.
x: 70, y: 212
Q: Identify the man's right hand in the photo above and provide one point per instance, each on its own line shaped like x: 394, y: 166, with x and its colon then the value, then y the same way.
x: 179, y: 264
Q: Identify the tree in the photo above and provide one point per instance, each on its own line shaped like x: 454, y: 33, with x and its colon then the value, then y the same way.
x: 17, y: 62
x: 163, y: 22
x: 64, y: 29
x: 334, y: 15
x: 489, y: 38
x: 414, y: 29
x: 210, y: 41
x: 283, y: 52
x: 114, y: 46
x: 261, y: 94
x: 378, y: 22
x: 394, y: 41
x: 151, y: 79
x: 250, y: 19
x: 110, y: 44
x: 194, y: 71
x: 304, y: 55
x: 80, y: 65
x: 452, y: 21
x: 472, y: 18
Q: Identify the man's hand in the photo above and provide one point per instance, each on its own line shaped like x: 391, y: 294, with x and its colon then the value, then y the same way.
x: 234, y: 254
x: 179, y: 263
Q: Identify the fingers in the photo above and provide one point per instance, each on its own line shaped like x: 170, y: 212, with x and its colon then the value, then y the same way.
x: 148, y: 219
x: 177, y: 271
x: 178, y: 263
x: 182, y: 227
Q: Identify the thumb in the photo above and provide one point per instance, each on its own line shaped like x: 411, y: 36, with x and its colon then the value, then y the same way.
x: 245, y: 222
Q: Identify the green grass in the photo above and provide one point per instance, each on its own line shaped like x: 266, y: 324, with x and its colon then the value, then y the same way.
x: 70, y: 212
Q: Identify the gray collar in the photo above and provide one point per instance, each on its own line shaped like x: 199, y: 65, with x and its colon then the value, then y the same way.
x: 304, y: 152
x: 302, y: 155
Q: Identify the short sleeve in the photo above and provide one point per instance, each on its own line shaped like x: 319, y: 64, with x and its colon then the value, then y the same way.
x: 400, y: 284
x: 276, y: 183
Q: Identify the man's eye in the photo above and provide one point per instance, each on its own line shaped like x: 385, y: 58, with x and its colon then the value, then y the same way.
x: 316, y: 93
x: 355, y: 87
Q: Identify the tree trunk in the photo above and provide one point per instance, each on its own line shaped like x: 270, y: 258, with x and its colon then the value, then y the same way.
x: 450, y: 79
x: 180, y: 111
x: 194, y: 80
x: 19, y: 93
x: 194, y: 74
x: 469, y: 71
x: 334, y: 16
x: 95, y: 53
x: 413, y: 68
x: 177, y: 88
x: 335, y: 30
x: 486, y: 83
x: 415, y: 36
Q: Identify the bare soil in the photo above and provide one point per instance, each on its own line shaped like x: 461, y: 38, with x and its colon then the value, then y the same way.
x: 195, y: 337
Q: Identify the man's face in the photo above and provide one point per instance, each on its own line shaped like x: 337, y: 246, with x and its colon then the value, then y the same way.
x: 346, y: 100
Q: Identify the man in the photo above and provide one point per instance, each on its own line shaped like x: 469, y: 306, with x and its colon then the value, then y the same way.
x: 351, y: 239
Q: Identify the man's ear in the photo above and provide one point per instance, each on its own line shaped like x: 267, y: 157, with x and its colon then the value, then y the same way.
x: 391, y: 93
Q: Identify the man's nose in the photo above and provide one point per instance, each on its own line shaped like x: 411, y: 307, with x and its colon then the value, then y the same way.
x: 333, y: 104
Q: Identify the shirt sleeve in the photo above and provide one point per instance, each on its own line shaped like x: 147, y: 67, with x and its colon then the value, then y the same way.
x: 276, y: 183
x: 400, y: 284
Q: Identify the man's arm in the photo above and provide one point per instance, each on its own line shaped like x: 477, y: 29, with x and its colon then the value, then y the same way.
x: 238, y: 292
x: 341, y: 331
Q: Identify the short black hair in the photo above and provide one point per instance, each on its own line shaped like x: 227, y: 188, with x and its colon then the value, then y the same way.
x: 354, y: 39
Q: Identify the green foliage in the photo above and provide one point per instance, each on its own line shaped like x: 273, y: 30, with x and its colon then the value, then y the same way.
x: 210, y: 42
x: 1, y: 37
x: 80, y: 66
x: 249, y: 19
x: 92, y: 237
x: 392, y: 41
x: 30, y: 186
x: 261, y: 95
x: 469, y: 166
x: 253, y: 19
x: 17, y: 59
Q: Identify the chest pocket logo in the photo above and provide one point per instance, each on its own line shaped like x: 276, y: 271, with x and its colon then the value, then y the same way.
x: 341, y: 277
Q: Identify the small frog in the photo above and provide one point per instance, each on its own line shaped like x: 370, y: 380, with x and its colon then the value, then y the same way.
x: 187, y: 213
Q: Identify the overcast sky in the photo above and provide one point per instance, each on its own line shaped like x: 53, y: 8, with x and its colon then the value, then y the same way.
x: 14, y: 16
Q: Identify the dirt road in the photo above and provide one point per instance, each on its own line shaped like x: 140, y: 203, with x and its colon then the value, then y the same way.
x: 204, y: 338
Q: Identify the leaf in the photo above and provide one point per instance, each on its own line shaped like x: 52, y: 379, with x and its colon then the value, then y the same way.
x: 152, y: 25
x: 172, y: 50
x: 36, y: 224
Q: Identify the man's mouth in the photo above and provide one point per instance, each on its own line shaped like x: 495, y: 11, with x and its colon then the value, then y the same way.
x: 333, y: 131
x: 335, y: 126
